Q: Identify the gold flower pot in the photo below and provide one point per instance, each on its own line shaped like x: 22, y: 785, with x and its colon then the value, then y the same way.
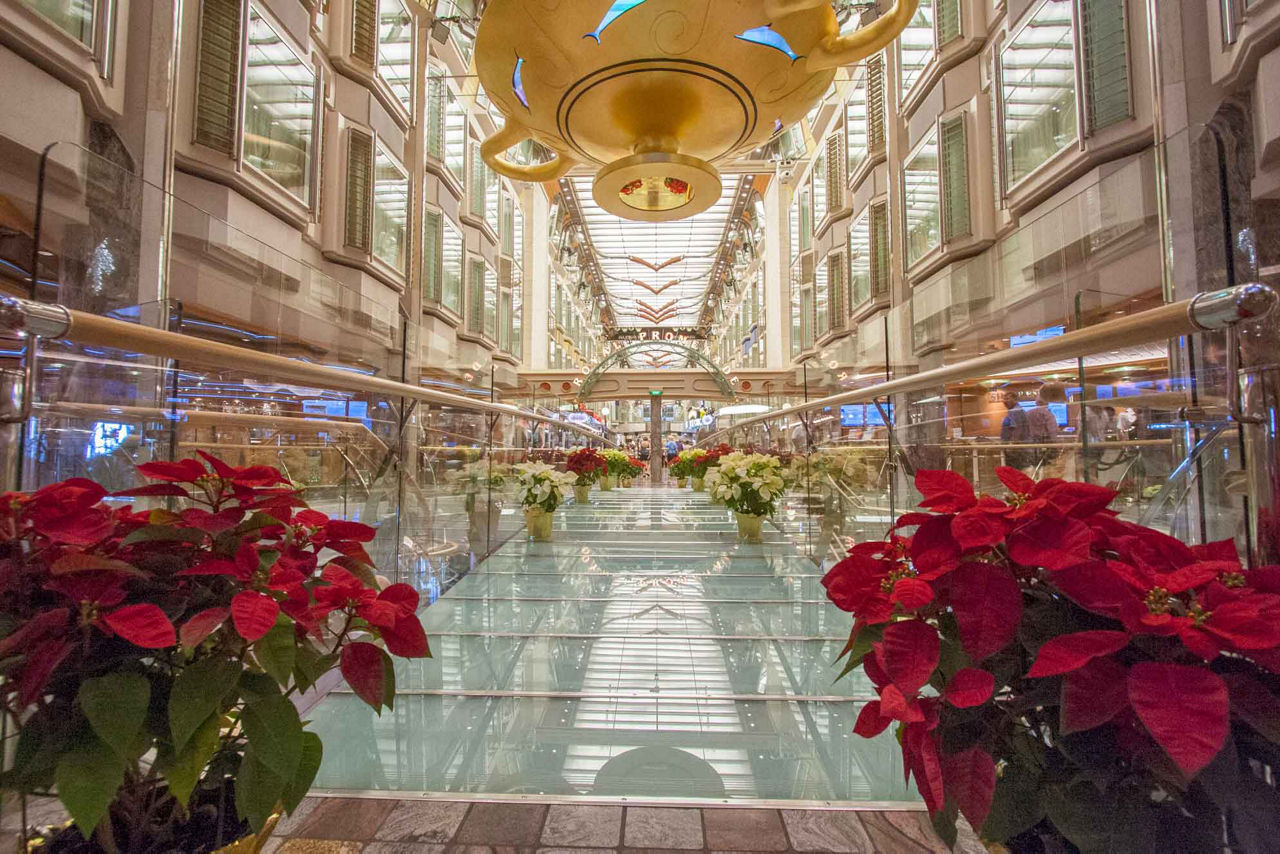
x: 607, y: 483
x: 698, y: 484
x: 538, y: 522
x: 654, y: 93
x: 750, y: 528
x: 681, y: 481
x: 581, y: 493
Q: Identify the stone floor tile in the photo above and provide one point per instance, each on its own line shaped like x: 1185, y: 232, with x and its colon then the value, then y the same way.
x: 659, y: 827
x: 289, y: 824
x: 901, y: 832
x: 402, y: 848
x: 577, y: 850
x: 583, y: 826
x: 503, y: 824
x: 422, y: 821
x: 744, y: 829
x: 346, y: 818
x: 827, y: 830
x: 319, y: 846
x: 486, y: 849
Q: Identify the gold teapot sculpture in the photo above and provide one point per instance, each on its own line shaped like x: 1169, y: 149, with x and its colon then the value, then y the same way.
x: 654, y: 92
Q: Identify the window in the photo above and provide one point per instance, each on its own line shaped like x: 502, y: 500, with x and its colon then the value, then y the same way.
x: 436, y: 88
x: 73, y: 17
x: 359, y: 189
x: 432, y: 262
x: 818, y: 180
x: 490, y: 303
x: 462, y: 30
x: 452, y: 256
x: 948, y: 21
x: 804, y: 201
x: 855, y: 126
x: 869, y: 256
x: 390, y: 211
x: 822, y: 298
x: 915, y: 47
x: 279, y: 109
x: 508, y: 225
x: 492, y: 197
x: 797, y: 327
x: 483, y: 188
x: 1038, y: 91
x: 921, y: 201
x: 455, y: 137
x: 955, y: 178
x: 1106, y: 62
x: 395, y: 50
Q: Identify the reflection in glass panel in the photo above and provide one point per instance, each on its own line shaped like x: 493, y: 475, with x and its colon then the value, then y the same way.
x: 855, y: 125
x: 921, y: 201
x: 455, y: 137
x: 860, y: 260
x: 395, y: 49
x: 279, y: 109
x: 451, y: 272
x: 73, y: 17
x: 915, y: 47
x: 390, y: 210
x: 1038, y: 91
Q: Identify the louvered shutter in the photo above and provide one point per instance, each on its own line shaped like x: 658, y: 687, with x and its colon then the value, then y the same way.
x: 364, y: 30
x: 218, y: 75
x: 433, y: 257
x: 359, y: 189
x: 875, y: 101
x: 954, y: 157
x: 475, y: 297
x: 1106, y: 62
x: 835, y: 276
x: 879, y: 250
x: 947, y: 21
x: 435, y: 115
x: 835, y: 173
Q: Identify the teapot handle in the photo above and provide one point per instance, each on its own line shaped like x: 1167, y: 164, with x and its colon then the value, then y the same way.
x: 835, y: 50
x: 511, y: 134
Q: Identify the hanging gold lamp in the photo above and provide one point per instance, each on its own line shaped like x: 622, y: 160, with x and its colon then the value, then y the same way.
x: 656, y: 92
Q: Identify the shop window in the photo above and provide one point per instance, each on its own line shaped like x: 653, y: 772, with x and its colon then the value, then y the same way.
x: 390, y: 211
x: 921, y: 200
x: 395, y: 50
x: 954, y: 150
x: 218, y: 75
x: 359, y: 189
x: 452, y: 256
x: 915, y: 48
x: 279, y: 109
x: 1106, y: 62
x: 1038, y: 91
x: 76, y: 18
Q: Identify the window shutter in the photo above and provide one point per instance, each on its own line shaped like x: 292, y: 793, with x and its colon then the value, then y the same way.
x: 477, y: 182
x: 879, y: 250
x: 835, y: 173
x: 954, y: 158
x: 947, y: 21
x: 364, y: 30
x: 475, y: 297
x: 875, y: 101
x: 435, y: 115
x: 835, y: 276
x: 1106, y: 63
x: 218, y: 75
x: 433, y: 257
x: 359, y: 189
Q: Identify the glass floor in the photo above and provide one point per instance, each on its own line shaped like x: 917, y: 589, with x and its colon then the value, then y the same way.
x: 643, y: 654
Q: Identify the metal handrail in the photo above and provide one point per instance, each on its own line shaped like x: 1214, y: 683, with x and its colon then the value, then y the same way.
x: 1204, y: 312
x: 55, y: 322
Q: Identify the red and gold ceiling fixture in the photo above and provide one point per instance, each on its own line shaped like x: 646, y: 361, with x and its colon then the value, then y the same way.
x: 655, y: 93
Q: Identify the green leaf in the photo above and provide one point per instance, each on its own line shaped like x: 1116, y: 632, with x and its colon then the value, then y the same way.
x: 197, y: 693
x: 184, y: 769
x: 88, y: 778
x: 116, y: 706
x: 258, y: 790
x: 1016, y: 805
x: 944, y: 824
x: 275, y: 733
x: 164, y: 534
x: 858, y: 647
x: 388, y: 681
x: 257, y: 522
x: 308, y: 767
x: 276, y: 650
x: 255, y: 687
x: 42, y: 738
x: 310, y: 664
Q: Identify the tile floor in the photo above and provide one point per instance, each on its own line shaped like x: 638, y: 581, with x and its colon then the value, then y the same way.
x: 368, y: 826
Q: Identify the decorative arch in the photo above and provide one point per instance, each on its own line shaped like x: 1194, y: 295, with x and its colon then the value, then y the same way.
x: 621, y: 355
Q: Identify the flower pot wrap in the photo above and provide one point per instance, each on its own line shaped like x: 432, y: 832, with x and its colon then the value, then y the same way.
x: 539, y: 524
x: 750, y: 528
x: 581, y: 494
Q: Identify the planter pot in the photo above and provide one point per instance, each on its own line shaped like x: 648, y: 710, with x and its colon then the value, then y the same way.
x: 539, y: 524
x: 607, y: 483
x: 626, y: 482
x: 581, y: 493
x: 698, y: 484
x: 750, y: 528
x: 681, y: 481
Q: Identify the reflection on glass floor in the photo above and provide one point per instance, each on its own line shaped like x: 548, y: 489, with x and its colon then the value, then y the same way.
x: 644, y: 653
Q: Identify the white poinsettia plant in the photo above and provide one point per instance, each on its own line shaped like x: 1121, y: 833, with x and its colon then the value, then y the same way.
x: 479, y: 476
x: 540, y: 486
x: 750, y: 484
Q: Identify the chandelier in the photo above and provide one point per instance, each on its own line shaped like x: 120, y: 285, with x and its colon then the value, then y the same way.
x: 653, y: 93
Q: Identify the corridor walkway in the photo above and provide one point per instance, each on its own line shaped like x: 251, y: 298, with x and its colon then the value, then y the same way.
x: 644, y: 654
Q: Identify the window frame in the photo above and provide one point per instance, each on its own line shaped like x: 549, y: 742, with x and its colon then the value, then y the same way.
x: 379, y: 147
x: 935, y: 135
x: 406, y: 109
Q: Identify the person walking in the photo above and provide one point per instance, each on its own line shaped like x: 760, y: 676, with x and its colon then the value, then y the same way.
x: 1014, y: 430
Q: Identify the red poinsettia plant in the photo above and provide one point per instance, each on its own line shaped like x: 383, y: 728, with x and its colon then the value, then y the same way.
x: 702, y: 464
x: 152, y: 656
x: 588, y: 464
x: 1052, y: 670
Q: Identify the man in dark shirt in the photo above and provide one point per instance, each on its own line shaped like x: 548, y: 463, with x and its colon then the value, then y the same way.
x: 1015, y: 430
